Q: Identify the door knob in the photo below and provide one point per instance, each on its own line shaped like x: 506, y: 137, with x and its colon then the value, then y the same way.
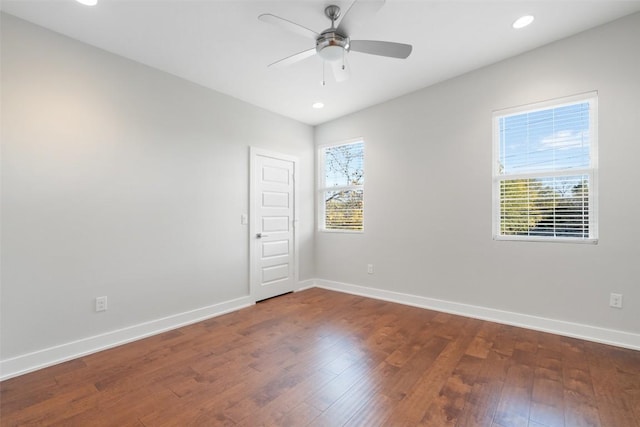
x: 261, y: 235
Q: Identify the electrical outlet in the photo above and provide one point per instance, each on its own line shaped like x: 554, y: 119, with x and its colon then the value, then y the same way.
x: 101, y: 304
x: 615, y: 300
x: 369, y: 268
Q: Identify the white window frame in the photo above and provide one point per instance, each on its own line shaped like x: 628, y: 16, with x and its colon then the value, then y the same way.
x: 322, y: 187
x: 591, y: 171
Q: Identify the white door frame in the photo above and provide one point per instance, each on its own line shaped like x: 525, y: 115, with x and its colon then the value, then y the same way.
x: 253, y: 219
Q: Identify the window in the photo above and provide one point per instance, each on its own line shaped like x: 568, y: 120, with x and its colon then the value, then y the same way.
x: 544, y: 171
x: 341, y: 186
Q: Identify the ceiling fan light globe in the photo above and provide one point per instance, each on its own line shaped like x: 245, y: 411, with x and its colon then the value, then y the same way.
x: 331, y: 53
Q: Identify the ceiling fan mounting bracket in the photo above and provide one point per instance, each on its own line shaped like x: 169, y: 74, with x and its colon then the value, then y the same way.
x: 332, y: 12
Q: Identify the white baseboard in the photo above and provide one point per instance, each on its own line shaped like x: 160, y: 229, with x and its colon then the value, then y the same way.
x: 559, y: 327
x: 61, y: 353
x: 306, y: 284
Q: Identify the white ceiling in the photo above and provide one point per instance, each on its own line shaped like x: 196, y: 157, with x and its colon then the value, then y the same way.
x: 223, y: 46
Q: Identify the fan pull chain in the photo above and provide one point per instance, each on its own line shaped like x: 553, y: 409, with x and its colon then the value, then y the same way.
x: 324, y: 82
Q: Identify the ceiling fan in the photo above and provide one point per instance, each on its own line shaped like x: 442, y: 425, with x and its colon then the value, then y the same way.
x: 334, y: 43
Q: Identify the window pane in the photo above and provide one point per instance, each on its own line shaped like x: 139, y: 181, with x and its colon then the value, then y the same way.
x: 554, y: 207
x: 342, y: 186
x: 545, y: 169
x: 552, y: 139
x: 344, y: 165
x: 343, y: 210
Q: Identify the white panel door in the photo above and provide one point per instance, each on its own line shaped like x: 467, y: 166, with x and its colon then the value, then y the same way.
x: 273, y: 248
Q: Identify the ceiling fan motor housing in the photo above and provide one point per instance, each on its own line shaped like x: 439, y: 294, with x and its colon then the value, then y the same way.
x: 332, y: 45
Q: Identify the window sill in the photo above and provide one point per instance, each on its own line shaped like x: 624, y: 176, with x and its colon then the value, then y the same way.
x: 546, y: 239
x: 341, y: 231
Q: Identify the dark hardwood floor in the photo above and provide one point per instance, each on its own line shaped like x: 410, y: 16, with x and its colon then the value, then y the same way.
x: 323, y: 358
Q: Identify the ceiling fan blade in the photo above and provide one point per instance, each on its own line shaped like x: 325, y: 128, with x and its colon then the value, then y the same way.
x: 359, y: 12
x: 377, y: 47
x: 340, y: 70
x: 290, y: 26
x: 294, y: 58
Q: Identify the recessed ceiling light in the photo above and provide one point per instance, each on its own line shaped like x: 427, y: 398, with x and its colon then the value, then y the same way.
x: 522, y: 22
x: 88, y: 2
x: 318, y: 105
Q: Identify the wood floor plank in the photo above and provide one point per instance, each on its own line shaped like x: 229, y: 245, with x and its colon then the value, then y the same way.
x: 289, y: 404
x: 356, y: 398
x: 580, y: 402
x: 486, y: 392
x: 422, y: 359
x: 323, y: 358
x: 301, y: 415
x: 412, y: 409
x: 446, y: 409
x: 374, y: 413
x: 547, y: 406
x: 515, y: 402
x: 608, y: 369
x: 327, y: 395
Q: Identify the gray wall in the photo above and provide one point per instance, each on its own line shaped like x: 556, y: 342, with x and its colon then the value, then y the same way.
x: 428, y: 189
x: 123, y: 181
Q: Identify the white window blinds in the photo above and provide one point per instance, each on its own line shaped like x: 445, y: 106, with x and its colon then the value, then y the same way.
x: 544, y: 174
